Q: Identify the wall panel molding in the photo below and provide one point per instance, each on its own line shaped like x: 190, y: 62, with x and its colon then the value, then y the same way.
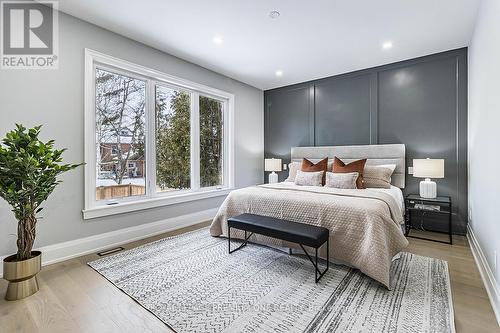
x: 374, y: 108
x: 420, y: 102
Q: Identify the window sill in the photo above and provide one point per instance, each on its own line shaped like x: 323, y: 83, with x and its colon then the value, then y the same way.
x: 132, y: 206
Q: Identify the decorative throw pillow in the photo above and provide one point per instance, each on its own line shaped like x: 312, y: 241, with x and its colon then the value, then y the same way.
x: 356, y: 166
x: 388, y: 166
x: 292, y: 171
x: 377, y: 176
x: 309, y: 178
x: 341, y: 180
x: 308, y: 166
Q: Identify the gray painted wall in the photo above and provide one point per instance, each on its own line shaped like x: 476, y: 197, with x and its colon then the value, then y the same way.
x: 54, y: 98
x: 484, y: 135
x: 420, y: 102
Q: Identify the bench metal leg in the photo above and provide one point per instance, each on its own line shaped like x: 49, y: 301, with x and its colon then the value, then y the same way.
x: 315, y: 262
x: 229, y: 240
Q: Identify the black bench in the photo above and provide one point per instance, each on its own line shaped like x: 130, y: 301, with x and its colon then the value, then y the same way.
x: 300, y: 233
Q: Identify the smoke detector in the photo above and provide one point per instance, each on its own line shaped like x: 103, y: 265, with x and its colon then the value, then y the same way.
x: 274, y: 14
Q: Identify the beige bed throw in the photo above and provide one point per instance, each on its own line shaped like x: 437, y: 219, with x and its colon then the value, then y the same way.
x: 365, y: 225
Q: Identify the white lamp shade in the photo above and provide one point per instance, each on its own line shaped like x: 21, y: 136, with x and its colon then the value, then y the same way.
x: 272, y: 164
x: 428, y: 168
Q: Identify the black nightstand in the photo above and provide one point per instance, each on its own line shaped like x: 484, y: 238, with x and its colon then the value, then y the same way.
x: 439, y: 205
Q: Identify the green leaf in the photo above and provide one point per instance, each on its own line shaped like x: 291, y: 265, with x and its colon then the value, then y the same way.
x: 29, y: 170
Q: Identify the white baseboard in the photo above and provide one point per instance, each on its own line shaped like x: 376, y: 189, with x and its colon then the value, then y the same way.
x: 489, y: 280
x: 82, y: 246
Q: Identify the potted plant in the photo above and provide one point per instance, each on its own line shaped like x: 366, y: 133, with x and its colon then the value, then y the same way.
x: 28, y: 174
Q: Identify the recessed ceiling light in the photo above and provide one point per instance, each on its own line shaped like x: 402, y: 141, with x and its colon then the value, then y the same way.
x: 279, y: 73
x: 387, y: 45
x: 274, y: 14
x: 218, y: 40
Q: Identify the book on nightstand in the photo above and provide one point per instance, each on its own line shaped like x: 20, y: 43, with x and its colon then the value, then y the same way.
x: 428, y: 207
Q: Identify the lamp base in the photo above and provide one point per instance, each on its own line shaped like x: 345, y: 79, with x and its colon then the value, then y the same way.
x: 273, y: 178
x: 428, y: 189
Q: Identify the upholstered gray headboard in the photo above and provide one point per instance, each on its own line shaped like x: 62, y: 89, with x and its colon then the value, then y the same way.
x: 375, y: 155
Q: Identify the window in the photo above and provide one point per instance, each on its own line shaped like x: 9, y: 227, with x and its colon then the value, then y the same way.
x: 152, y: 139
x: 120, y: 125
x: 173, y: 139
x: 211, y: 141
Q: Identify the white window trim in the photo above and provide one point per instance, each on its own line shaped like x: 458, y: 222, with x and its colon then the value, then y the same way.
x: 93, y: 208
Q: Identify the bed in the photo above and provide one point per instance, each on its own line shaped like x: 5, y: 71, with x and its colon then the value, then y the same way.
x: 365, y: 225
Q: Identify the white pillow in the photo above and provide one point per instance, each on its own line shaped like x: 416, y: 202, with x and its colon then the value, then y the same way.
x: 385, y: 183
x: 309, y: 178
x: 377, y: 177
x: 341, y: 180
x: 388, y: 166
x: 292, y: 171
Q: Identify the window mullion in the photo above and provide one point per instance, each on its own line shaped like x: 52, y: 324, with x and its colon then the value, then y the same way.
x: 151, y: 139
x: 195, y: 141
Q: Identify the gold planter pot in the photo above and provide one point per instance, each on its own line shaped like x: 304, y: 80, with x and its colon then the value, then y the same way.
x: 21, y: 276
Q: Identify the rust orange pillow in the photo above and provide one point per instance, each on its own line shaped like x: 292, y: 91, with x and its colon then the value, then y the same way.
x: 308, y: 166
x: 356, y: 166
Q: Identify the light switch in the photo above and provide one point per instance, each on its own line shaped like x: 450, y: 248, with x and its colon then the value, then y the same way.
x: 284, y: 166
x: 410, y: 170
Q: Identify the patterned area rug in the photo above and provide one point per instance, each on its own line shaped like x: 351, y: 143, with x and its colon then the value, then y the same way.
x: 192, y: 284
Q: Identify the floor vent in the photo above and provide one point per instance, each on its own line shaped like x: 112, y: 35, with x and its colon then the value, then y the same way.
x: 110, y: 251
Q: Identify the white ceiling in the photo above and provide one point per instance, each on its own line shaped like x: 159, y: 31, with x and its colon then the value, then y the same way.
x: 311, y: 39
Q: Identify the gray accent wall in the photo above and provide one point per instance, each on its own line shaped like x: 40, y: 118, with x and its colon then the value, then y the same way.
x: 55, y: 98
x: 421, y: 103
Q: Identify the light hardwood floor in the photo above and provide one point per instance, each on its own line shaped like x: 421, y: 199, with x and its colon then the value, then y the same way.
x: 74, y: 298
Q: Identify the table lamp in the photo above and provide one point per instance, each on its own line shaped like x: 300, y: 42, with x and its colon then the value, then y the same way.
x: 272, y: 164
x: 428, y: 168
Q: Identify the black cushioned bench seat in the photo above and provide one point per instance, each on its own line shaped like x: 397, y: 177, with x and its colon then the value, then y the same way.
x: 294, y: 232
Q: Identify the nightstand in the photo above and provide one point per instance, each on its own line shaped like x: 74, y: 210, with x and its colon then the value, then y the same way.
x: 426, y: 206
